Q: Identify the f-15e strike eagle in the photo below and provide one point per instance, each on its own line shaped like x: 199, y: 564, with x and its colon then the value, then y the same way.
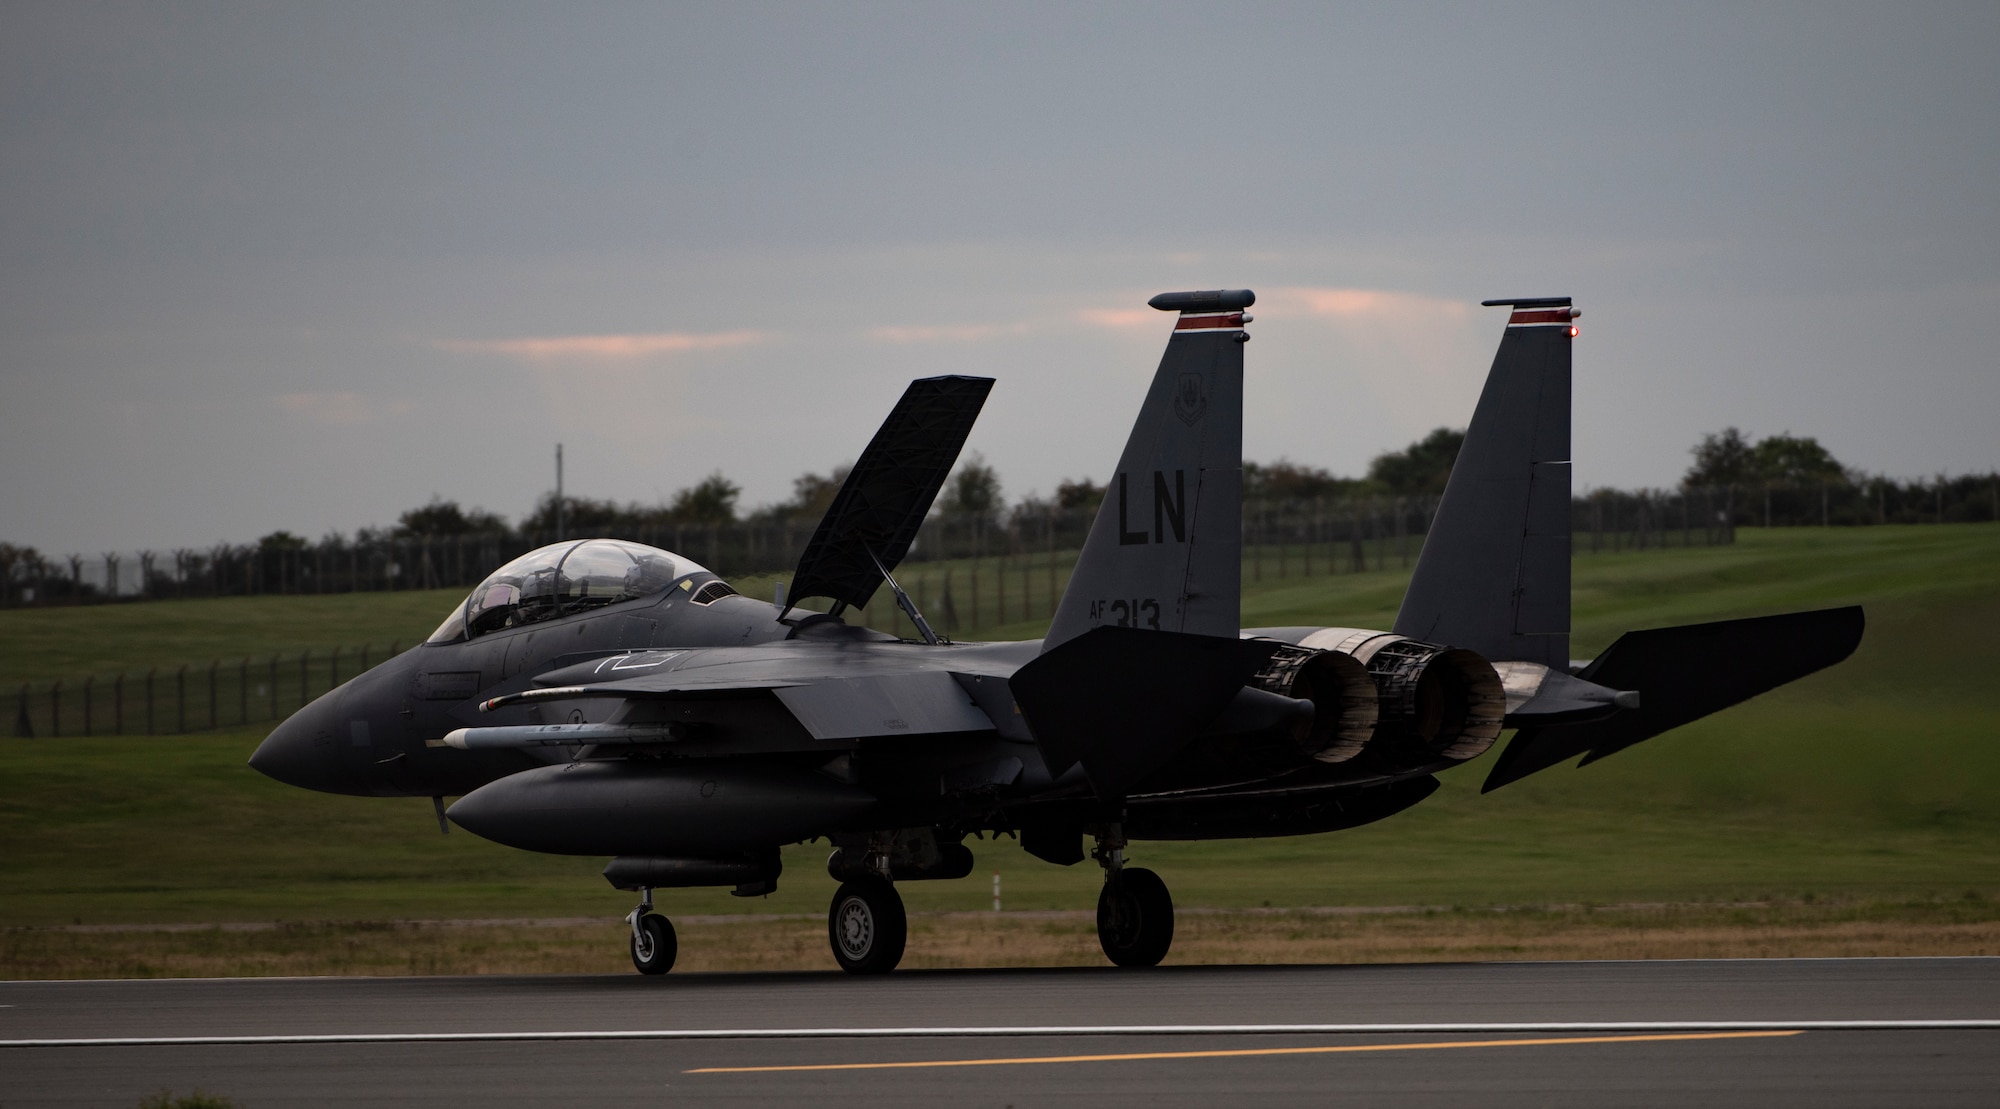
x: 599, y: 697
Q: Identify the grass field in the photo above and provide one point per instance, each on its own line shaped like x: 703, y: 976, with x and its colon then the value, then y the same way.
x: 1863, y: 798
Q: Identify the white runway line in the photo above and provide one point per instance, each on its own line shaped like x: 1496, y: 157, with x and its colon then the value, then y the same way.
x: 1580, y: 1027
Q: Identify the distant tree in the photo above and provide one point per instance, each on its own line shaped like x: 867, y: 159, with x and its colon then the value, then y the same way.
x: 280, y: 541
x: 12, y: 556
x: 1082, y: 494
x: 20, y: 567
x: 974, y: 491
x: 712, y: 501
x: 1728, y: 458
x: 583, y: 517
x: 1796, y: 460
x: 443, y: 517
x: 1420, y: 469
x: 1723, y: 458
x: 812, y: 494
x: 1287, y: 480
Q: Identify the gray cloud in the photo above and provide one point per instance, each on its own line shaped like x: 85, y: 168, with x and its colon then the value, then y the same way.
x: 259, y: 264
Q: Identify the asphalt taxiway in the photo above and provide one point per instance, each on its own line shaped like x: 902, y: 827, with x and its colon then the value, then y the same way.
x: 1822, y: 1032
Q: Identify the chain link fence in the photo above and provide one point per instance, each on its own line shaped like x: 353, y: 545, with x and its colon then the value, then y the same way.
x: 971, y: 577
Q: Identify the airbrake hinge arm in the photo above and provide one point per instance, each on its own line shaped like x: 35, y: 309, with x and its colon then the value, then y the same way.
x: 903, y: 602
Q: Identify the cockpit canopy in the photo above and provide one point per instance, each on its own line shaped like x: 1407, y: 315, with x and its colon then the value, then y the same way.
x: 562, y: 579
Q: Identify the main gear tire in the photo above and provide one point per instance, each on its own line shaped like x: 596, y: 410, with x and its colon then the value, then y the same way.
x: 1135, y: 918
x: 867, y: 927
x: 654, y: 945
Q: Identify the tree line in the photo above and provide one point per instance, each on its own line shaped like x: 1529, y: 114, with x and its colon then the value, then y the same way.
x: 1734, y: 481
x: 973, y: 492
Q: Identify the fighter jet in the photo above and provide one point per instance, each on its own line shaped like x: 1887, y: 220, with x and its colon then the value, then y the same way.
x: 604, y: 698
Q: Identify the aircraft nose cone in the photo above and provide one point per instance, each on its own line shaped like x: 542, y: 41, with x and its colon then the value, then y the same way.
x: 304, y: 750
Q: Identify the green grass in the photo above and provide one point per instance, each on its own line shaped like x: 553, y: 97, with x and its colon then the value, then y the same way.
x: 40, y: 644
x: 1879, y: 778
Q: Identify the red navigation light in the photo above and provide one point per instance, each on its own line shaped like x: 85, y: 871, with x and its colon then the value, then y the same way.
x: 1573, y: 332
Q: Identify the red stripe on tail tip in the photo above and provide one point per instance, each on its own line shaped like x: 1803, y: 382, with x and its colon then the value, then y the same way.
x: 1210, y: 321
x: 1542, y: 315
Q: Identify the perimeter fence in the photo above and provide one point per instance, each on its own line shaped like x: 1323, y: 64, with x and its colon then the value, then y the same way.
x: 190, y: 697
x: 376, y: 563
x: 972, y: 578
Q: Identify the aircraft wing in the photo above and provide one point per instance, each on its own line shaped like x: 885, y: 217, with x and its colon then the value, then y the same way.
x: 833, y: 698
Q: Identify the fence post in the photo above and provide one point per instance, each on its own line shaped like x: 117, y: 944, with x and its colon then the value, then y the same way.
x: 1052, y: 575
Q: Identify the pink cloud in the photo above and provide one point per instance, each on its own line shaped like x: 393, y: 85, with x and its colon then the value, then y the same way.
x: 1355, y: 304
x: 340, y: 409
x: 1119, y: 318
x: 945, y: 333
x: 604, y: 348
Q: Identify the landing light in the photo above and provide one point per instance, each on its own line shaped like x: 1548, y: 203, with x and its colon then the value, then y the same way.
x: 1573, y: 332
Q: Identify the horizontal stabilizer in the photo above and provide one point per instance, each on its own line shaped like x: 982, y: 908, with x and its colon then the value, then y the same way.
x: 1122, y: 701
x: 875, y: 516
x: 1682, y: 674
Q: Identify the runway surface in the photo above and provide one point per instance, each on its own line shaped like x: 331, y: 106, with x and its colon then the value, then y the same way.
x: 1724, y: 1032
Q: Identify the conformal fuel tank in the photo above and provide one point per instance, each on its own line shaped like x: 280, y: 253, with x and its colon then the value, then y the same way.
x: 619, y: 807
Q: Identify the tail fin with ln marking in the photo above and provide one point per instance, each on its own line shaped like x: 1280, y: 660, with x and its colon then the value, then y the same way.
x: 1165, y: 551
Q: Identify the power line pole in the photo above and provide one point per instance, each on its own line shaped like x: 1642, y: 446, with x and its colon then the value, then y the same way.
x: 562, y: 529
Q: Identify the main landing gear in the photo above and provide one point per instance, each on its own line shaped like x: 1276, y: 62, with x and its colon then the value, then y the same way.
x: 1135, y: 914
x: 653, y: 942
x: 867, y: 926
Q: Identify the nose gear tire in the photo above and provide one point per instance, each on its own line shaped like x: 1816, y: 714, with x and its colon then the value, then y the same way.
x: 1135, y: 918
x: 654, y: 945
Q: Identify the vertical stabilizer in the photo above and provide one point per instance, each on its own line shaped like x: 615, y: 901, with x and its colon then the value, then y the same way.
x: 1494, y: 573
x: 1165, y: 552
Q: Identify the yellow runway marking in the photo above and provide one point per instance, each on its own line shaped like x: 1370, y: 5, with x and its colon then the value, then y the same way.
x: 1224, y: 1054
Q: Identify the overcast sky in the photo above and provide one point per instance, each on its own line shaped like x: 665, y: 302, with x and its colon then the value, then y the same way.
x: 303, y: 267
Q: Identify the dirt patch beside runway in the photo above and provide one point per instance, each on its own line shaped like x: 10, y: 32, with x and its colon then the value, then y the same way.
x: 793, y: 942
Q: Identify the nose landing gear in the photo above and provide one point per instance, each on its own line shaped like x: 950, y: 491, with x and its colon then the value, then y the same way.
x: 1135, y: 913
x: 653, y: 942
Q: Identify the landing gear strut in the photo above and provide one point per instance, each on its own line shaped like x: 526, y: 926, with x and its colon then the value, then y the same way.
x: 866, y: 923
x: 1135, y: 913
x: 653, y: 942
